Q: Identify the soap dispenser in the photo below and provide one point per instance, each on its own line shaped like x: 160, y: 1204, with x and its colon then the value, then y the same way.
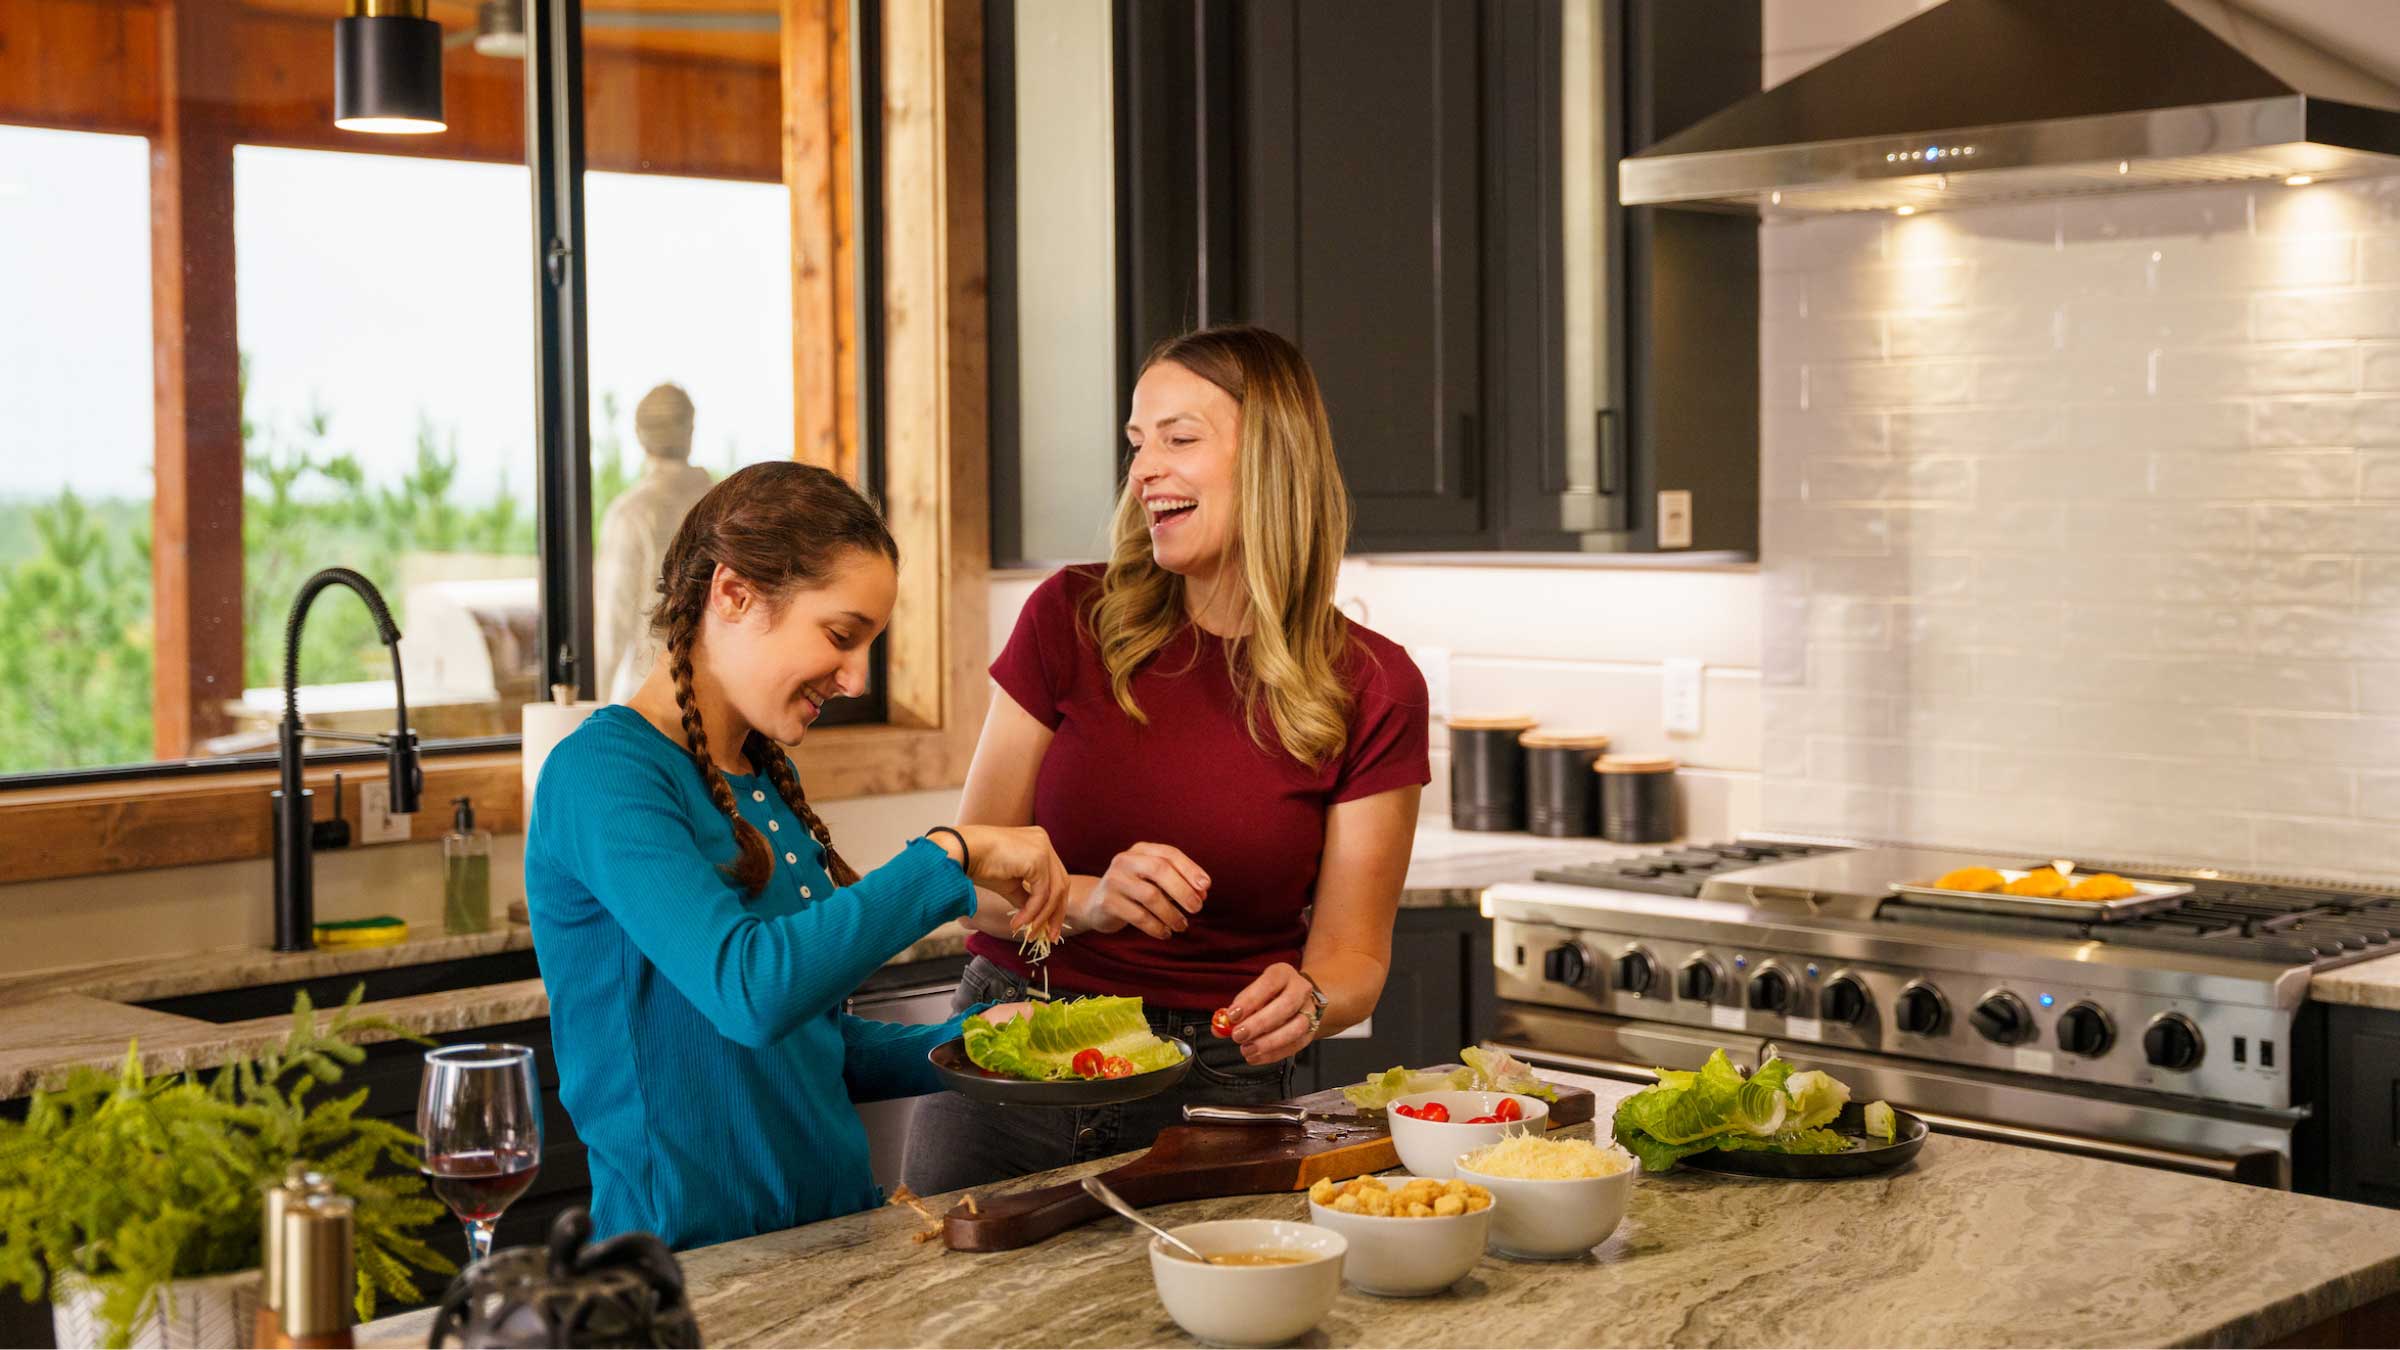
x: 466, y: 872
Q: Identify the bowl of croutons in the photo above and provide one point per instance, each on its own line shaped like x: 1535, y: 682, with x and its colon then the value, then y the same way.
x: 1409, y: 1236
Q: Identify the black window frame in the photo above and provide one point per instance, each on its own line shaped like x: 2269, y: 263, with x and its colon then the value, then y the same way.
x: 554, y: 160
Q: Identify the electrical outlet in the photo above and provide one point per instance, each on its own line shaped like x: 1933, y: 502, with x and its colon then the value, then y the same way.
x: 377, y: 822
x: 1680, y: 696
x: 1675, y: 518
x: 1434, y: 664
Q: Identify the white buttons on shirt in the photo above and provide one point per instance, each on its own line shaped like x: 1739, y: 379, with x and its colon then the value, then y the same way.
x: 774, y: 824
x: 758, y: 794
x: 791, y: 857
x: 805, y: 893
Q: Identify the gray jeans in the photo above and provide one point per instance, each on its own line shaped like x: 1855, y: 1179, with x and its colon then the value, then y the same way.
x: 954, y: 1143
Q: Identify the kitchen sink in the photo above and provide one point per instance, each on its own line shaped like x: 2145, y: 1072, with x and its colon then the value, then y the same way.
x: 275, y: 1000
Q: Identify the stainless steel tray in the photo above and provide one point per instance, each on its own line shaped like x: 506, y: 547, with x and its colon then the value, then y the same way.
x: 2149, y: 898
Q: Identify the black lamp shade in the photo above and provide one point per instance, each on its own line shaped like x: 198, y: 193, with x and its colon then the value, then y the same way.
x: 387, y: 74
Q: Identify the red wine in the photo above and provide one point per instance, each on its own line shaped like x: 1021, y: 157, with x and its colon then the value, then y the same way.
x: 479, y: 1185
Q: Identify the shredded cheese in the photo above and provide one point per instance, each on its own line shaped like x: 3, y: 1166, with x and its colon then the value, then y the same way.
x: 1524, y: 1157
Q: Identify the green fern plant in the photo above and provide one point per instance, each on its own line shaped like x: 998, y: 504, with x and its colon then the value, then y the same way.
x: 131, y: 1181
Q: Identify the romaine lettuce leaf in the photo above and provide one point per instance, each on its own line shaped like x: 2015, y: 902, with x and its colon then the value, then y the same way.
x: 1487, y: 1069
x: 1881, y: 1123
x: 1041, y: 1046
x: 1775, y: 1110
x: 1399, y: 1081
x: 1817, y: 1098
x: 1496, y: 1070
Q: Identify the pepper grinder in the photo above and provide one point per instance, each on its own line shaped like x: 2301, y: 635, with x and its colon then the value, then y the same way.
x: 320, y: 1280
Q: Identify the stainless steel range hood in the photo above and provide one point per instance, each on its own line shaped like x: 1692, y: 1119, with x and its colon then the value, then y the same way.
x: 1977, y: 101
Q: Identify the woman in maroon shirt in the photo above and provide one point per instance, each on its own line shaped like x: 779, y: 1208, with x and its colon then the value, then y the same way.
x: 1228, y: 766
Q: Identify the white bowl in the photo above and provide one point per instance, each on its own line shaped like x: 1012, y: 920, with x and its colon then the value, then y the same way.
x: 1407, y: 1258
x: 1554, y: 1220
x: 1249, y: 1305
x: 1430, y: 1148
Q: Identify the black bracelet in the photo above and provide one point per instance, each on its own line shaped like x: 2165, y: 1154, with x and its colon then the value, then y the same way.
x: 966, y: 859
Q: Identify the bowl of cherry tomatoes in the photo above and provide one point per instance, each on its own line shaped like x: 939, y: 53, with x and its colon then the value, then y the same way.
x: 1431, y: 1129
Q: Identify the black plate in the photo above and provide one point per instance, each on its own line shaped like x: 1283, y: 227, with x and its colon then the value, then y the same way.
x: 1870, y: 1157
x: 960, y: 1075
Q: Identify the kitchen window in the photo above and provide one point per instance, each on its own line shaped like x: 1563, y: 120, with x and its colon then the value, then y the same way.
x: 346, y: 373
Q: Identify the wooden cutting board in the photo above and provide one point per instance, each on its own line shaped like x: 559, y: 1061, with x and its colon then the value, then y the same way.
x: 1202, y: 1162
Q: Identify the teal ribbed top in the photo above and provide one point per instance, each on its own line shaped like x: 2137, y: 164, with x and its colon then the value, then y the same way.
x: 702, y: 1046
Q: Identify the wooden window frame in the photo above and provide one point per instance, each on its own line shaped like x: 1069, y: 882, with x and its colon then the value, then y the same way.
x: 935, y: 407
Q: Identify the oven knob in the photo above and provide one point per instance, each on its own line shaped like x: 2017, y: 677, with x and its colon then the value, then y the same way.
x: 1568, y: 963
x: 2084, y: 1030
x: 1770, y: 990
x: 2172, y: 1042
x: 1698, y: 980
x: 1844, y: 1001
x: 2003, y: 1018
x: 1635, y: 971
x: 1922, y: 1011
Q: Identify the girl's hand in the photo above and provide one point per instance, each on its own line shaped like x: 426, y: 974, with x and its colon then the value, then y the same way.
x: 1270, y: 1018
x: 1018, y: 864
x: 1000, y: 1014
x: 1154, y: 887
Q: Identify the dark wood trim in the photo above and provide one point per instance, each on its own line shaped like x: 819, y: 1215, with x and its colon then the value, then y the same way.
x: 1000, y: 245
x: 196, y: 510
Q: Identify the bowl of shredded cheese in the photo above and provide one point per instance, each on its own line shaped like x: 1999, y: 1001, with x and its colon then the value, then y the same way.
x: 1552, y: 1199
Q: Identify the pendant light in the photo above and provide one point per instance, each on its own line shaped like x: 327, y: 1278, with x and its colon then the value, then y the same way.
x: 387, y: 69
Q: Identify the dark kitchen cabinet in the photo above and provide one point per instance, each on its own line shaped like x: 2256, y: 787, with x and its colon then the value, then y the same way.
x: 2360, y: 1117
x: 1358, y: 168
x: 1438, y: 998
x: 1421, y: 194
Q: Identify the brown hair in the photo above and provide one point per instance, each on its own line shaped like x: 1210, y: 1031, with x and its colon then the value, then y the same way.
x: 1291, y: 525
x: 781, y: 526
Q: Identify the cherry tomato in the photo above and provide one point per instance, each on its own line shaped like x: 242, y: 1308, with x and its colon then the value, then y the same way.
x: 1409, y: 1111
x: 1483, y: 1120
x: 1087, y: 1063
x: 1116, y: 1066
x: 1435, y: 1111
x: 1221, y: 1021
x: 1508, y: 1110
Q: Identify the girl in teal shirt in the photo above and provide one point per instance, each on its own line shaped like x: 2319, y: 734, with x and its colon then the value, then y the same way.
x: 696, y: 929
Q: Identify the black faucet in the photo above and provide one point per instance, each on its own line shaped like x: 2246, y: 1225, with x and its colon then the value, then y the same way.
x: 295, y: 835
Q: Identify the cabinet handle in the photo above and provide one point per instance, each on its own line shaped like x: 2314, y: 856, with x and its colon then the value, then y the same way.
x: 1612, y: 451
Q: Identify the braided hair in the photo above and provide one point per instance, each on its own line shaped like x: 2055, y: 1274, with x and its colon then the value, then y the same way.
x: 781, y: 526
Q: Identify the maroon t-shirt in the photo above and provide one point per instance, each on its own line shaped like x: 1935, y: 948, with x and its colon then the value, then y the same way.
x: 1251, y: 816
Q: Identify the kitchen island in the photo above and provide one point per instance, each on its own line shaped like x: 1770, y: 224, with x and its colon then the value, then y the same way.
x: 1975, y: 1244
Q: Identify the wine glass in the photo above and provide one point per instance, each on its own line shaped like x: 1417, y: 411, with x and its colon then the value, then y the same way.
x: 479, y: 1113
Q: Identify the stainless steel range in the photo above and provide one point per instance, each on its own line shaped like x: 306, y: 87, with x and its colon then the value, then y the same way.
x: 2177, y: 1038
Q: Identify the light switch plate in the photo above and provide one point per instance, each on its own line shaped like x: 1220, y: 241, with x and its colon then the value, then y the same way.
x: 377, y: 822
x: 1680, y: 700
x: 1675, y: 518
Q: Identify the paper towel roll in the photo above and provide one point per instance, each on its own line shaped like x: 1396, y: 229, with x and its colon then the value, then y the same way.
x: 546, y: 724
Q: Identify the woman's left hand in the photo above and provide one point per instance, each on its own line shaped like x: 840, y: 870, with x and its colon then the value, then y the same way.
x: 1270, y: 1018
x: 1000, y: 1014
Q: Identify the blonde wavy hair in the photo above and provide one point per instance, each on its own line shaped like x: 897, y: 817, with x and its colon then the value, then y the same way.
x: 1290, y: 528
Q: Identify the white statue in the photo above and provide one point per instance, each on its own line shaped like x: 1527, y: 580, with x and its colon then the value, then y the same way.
x: 633, y: 540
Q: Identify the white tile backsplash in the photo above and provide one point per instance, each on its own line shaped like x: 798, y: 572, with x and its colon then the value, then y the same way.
x: 2101, y: 551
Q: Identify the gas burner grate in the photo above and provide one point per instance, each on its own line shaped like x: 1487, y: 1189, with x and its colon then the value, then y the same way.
x: 1677, y: 872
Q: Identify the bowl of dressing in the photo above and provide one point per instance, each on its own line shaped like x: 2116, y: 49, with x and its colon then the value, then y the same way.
x: 1265, y: 1282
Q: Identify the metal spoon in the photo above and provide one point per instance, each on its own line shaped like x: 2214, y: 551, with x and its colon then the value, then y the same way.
x: 1099, y: 1191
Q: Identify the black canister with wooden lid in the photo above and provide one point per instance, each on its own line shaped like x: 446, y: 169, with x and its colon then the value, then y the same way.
x: 1562, y: 794
x: 1637, y: 798
x: 1487, y: 772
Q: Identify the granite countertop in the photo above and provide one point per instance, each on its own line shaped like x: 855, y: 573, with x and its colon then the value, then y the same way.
x: 1975, y: 1244
x: 2369, y: 984
x: 52, y: 1021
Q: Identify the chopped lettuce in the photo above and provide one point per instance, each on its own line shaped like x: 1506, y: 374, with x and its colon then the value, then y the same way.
x: 1041, y: 1046
x: 1486, y: 1069
x: 1496, y: 1070
x: 1817, y: 1098
x: 1774, y: 1110
x: 1881, y: 1123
